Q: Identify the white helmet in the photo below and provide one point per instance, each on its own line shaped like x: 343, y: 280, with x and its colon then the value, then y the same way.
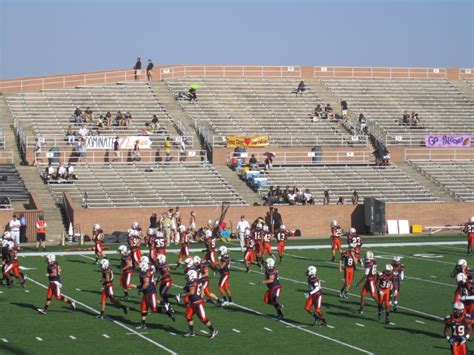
x: 143, y: 266
x: 104, y: 263
x: 458, y: 308
x: 189, y: 262
x: 151, y: 231
x: 311, y: 270
x: 461, y: 278
x: 471, y: 219
x: 191, y: 275
x: 388, y: 268
x: 96, y: 226
x: 259, y: 225
x: 182, y: 228
x: 197, y: 260
x: 11, y: 245
x: 223, y: 250
x: 144, y: 259
x: 131, y: 232
x: 462, y: 262
x: 333, y: 223
x: 162, y: 259
x: 209, y: 221
x: 396, y: 260
x: 208, y: 233
x: 282, y: 226
x: 270, y: 263
x: 51, y: 258
x: 369, y: 255
x: 246, y: 232
x: 6, y: 235
x: 265, y: 228
x: 135, y: 225
x: 352, y: 230
x: 122, y: 249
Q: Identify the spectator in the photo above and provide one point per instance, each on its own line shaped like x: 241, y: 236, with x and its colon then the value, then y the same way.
x: 101, y: 123
x: 70, y: 172
x: 192, y: 222
x: 308, y: 197
x: 168, y: 149
x: 414, y: 120
x: 15, y: 229
x: 108, y: 118
x: 116, y: 149
x: 138, y: 68
x: 326, y: 199
x: 127, y: 119
x: 154, y: 223
x: 62, y: 172
x: 277, y: 219
x: 85, y: 198
x: 362, y: 119
x: 166, y: 225
x: 81, y: 149
x: 41, y: 233
x: 253, y: 163
x: 70, y: 135
x: 291, y: 197
x: 301, y: 88
x: 38, y: 148
x: 155, y: 124
x: 182, y: 150
x: 120, y: 119
x: 77, y: 114
x: 340, y: 201
x: 192, y: 95
x: 136, y: 151
x: 318, y: 111
x: 268, y: 163
x: 386, y: 158
x: 406, y: 118
x: 344, y: 109
x: 50, y: 173
x: 149, y: 70
x: 83, y: 132
x: 22, y: 228
x: 88, y: 114
x: 328, y: 110
x: 355, y: 198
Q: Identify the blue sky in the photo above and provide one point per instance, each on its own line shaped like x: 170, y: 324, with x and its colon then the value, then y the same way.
x: 54, y: 37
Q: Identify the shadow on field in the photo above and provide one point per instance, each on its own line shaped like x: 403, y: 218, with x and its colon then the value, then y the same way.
x: 411, y: 314
x: 416, y: 331
x: 80, y: 261
x: 152, y: 324
x: 10, y: 349
x: 93, y: 291
x: 25, y: 305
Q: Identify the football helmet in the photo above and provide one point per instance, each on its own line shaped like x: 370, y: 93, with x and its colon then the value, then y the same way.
x: 196, y: 260
x: 96, y: 226
x: 396, y: 260
x: 369, y: 255
x: 283, y: 227
x: 161, y: 259
x: 135, y: 225
x: 208, y: 233
x: 189, y: 262
x: 143, y: 266
x: 151, y: 231
x: 6, y: 235
x: 4, y: 243
x: 182, y: 228
x: 462, y: 262
x: 191, y: 275
x: 458, y: 309
x: 333, y: 223
x: 259, y: 226
x: 265, y: 228
x: 11, y: 245
x: 352, y: 231
x: 51, y: 258
x: 223, y: 250
x: 388, y: 269
x: 471, y: 219
x: 144, y: 259
x: 123, y: 250
x: 246, y: 232
x: 311, y: 270
x: 104, y: 263
x: 270, y: 263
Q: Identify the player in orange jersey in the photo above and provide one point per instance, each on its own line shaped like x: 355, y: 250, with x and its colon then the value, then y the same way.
x: 459, y: 323
x: 336, y: 233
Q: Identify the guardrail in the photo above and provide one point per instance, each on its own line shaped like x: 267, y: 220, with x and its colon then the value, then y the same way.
x: 379, y: 72
x: 439, y: 154
x: 299, y: 141
x: 231, y: 71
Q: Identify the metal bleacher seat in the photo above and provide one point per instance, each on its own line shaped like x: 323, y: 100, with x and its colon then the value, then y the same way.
x: 11, y: 184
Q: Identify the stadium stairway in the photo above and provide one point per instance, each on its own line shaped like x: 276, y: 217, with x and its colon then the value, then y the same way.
x: 168, y: 101
x: 466, y: 89
x: 6, y: 122
x: 240, y: 186
x: 435, y: 189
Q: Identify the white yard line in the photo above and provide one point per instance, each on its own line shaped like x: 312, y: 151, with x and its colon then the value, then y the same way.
x: 39, y: 339
x: 419, y: 258
x: 114, y: 321
x: 268, y: 329
x: 429, y: 281
x: 72, y: 337
x: 106, y: 336
x: 235, y: 330
x: 419, y: 321
x: 360, y: 325
x: 4, y: 340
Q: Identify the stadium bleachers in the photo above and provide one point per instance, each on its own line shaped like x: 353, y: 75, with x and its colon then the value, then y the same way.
x: 455, y: 176
x: 258, y: 106
x: 48, y: 113
x: 387, y: 183
x: 11, y: 184
x: 142, y: 185
x: 442, y: 108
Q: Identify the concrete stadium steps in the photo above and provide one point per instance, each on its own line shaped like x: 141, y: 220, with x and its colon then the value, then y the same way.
x: 6, y: 122
x: 238, y: 184
x: 466, y: 86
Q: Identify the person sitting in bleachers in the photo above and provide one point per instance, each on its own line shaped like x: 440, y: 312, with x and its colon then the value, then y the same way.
x: 155, y: 124
x: 253, y: 162
x: 50, y: 173
x: 70, y: 172
x: 70, y: 135
x: 414, y: 120
x: 301, y: 88
x: 318, y: 112
x: 405, y: 119
x: 291, y: 197
x: 308, y: 197
x: 108, y: 118
x: 193, y: 95
x: 101, y: 123
x: 83, y: 132
x: 62, y: 172
x: 362, y: 123
x: 328, y: 110
x: 127, y: 118
x: 77, y: 115
x: 120, y: 119
x: 344, y: 109
x: 88, y: 114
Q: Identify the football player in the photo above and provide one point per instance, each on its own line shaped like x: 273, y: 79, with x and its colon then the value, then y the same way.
x: 257, y: 236
x: 126, y: 267
x: 108, y: 289
x: 54, y: 287
x: 348, y: 263
x: 469, y: 230
x: 398, y: 277
x: 4, y: 246
x: 150, y: 243
x: 202, y: 268
x: 461, y: 267
x: 249, y: 256
x: 281, y: 235
x: 165, y: 280
x: 355, y: 241
x: 465, y: 293
x: 459, y: 323
x: 149, y: 300
x: 314, y: 297
x: 184, y: 242
x: 369, y: 278
x: 224, y: 269
x: 193, y: 292
x: 272, y: 295
x: 134, y: 241
x: 385, y: 286
x: 210, y: 250
x: 267, y: 238
x: 98, y: 239
x: 12, y: 265
x: 188, y: 265
x: 336, y: 233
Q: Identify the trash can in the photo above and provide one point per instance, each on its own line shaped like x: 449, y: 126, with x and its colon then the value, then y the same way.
x: 318, y: 154
x: 53, y: 155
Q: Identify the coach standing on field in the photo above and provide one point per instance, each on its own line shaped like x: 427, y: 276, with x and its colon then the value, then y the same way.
x: 241, y: 227
x: 15, y: 229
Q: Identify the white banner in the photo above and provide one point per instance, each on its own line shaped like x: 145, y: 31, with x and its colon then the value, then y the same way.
x: 125, y: 142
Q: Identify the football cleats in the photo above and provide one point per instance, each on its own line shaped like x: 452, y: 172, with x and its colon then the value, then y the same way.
x: 458, y: 309
x: 197, y: 260
x: 352, y: 231
x: 122, y: 249
x: 223, y: 250
x: 311, y: 270
x: 191, y: 275
x: 189, y: 262
x: 270, y: 263
x: 462, y: 262
x: 461, y: 278
x: 104, y: 263
x: 143, y: 266
x: 388, y: 269
x: 161, y: 259
x: 369, y: 255
x: 51, y: 258
x: 333, y: 223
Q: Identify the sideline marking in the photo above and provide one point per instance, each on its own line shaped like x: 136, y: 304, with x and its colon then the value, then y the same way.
x: 114, y: 321
x: 419, y: 258
x: 430, y: 281
x: 72, y: 337
x: 172, y: 333
x: 135, y: 334
x: 433, y: 277
x: 268, y: 329
x: 330, y: 326
x: 4, y: 340
x: 235, y: 330
x: 360, y: 325
x: 39, y: 339
x: 105, y: 336
x: 78, y: 289
x: 419, y: 321
x: 27, y: 291
x: 251, y: 283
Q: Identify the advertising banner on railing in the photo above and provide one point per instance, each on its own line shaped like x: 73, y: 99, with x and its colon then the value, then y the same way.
x: 255, y: 142
x: 448, y: 141
x: 125, y: 142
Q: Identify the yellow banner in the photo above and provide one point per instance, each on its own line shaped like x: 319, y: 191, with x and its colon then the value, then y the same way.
x: 255, y: 142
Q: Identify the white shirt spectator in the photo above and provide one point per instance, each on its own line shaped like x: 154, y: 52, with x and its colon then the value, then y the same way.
x: 291, y: 197
x: 62, y: 170
x: 50, y: 170
x: 242, y: 226
x: 15, y: 230
x: 308, y: 196
x: 83, y: 132
x: 70, y: 170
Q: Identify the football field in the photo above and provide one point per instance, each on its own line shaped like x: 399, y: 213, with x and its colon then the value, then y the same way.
x: 247, y: 326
